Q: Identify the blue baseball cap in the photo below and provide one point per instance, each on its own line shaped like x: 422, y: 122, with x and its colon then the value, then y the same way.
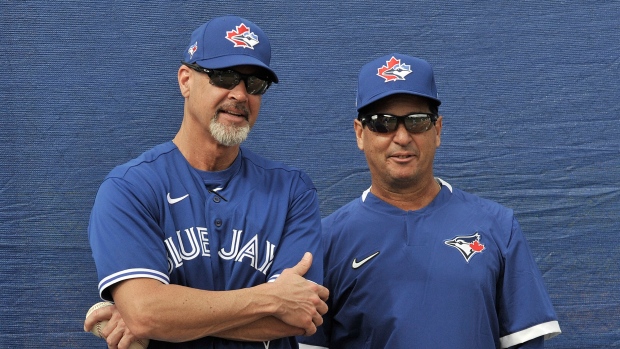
x: 392, y: 74
x: 227, y: 41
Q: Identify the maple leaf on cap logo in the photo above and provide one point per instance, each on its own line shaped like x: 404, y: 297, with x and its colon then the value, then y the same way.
x: 242, y: 37
x: 394, y: 70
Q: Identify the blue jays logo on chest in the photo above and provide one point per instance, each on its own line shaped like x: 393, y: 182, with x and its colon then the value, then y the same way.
x: 467, y: 245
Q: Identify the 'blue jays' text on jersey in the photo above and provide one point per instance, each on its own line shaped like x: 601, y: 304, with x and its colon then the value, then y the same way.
x: 157, y: 217
x: 456, y: 274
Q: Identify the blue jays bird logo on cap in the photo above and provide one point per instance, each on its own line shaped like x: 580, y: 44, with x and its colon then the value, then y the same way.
x: 467, y: 245
x: 192, y: 49
x: 394, y: 70
x: 242, y: 37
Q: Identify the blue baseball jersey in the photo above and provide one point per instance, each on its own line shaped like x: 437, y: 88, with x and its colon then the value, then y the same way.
x: 456, y: 274
x: 157, y: 217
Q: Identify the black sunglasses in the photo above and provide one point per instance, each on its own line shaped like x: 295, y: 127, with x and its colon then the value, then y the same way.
x: 385, y: 123
x: 228, y: 79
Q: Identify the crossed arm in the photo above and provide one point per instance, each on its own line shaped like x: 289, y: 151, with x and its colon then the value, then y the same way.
x: 145, y: 308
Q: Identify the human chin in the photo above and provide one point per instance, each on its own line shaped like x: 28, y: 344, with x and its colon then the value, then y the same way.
x: 229, y: 135
x: 402, y: 174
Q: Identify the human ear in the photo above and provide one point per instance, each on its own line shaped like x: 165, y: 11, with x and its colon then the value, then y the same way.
x: 357, y: 125
x: 183, y: 77
x: 438, y: 126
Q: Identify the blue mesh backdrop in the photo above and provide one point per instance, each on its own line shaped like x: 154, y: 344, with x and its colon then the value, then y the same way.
x: 531, y: 119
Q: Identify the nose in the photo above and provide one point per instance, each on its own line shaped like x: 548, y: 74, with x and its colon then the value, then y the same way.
x: 239, y: 92
x: 401, y: 135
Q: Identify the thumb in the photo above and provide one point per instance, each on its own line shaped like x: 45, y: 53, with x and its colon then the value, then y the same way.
x: 304, y: 264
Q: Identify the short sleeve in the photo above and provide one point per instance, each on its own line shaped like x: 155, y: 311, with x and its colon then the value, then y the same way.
x: 124, y: 235
x: 524, y: 307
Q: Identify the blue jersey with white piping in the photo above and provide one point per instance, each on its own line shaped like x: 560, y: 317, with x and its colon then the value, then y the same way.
x: 456, y: 274
x: 157, y: 217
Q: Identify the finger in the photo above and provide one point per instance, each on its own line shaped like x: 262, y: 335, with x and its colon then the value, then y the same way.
x: 300, y: 332
x: 125, y: 342
x: 317, y: 319
x: 114, y: 337
x: 88, y: 325
x: 310, y: 330
x: 304, y: 264
x: 323, y: 293
x: 322, y: 308
x: 100, y: 314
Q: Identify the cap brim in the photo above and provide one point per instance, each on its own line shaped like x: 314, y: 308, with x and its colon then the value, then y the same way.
x: 235, y: 60
x: 393, y: 92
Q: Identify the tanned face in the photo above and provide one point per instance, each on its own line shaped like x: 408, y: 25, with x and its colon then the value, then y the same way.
x: 400, y: 159
x: 226, y: 115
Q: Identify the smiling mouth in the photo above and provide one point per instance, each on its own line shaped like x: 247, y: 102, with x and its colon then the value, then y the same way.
x: 403, y: 157
x: 236, y: 114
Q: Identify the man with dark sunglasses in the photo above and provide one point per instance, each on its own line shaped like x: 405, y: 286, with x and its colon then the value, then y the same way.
x: 414, y: 262
x: 199, y: 242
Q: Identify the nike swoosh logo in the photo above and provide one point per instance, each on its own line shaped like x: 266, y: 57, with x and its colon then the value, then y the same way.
x: 357, y: 264
x: 172, y: 201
